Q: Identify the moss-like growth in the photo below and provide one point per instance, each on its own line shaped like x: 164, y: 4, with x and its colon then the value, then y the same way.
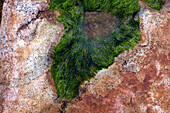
x: 78, y: 56
x: 1, y: 5
x: 156, y: 4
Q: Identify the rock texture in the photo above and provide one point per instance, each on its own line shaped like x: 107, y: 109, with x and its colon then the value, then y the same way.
x: 28, y: 33
x: 138, y: 81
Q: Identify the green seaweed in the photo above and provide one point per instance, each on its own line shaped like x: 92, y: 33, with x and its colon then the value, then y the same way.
x: 156, y: 4
x: 78, y: 57
x: 1, y: 5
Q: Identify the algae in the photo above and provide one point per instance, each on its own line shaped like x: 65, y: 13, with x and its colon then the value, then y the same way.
x: 156, y: 4
x: 80, y: 54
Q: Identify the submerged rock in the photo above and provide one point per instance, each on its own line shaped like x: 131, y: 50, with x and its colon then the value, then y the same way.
x: 97, y: 25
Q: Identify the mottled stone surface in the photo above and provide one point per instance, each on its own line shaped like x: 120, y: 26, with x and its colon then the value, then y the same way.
x: 28, y: 34
x: 138, y: 81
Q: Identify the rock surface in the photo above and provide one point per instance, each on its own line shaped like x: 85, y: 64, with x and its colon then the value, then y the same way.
x: 28, y: 34
x: 138, y: 81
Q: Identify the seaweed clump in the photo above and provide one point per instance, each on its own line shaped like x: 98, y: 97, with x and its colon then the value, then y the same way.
x: 156, y: 4
x: 1, y: 6
x: 80, y: 54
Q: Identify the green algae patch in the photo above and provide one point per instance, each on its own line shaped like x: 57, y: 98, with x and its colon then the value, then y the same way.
x: 156, y: 4
x: 96, y: 31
